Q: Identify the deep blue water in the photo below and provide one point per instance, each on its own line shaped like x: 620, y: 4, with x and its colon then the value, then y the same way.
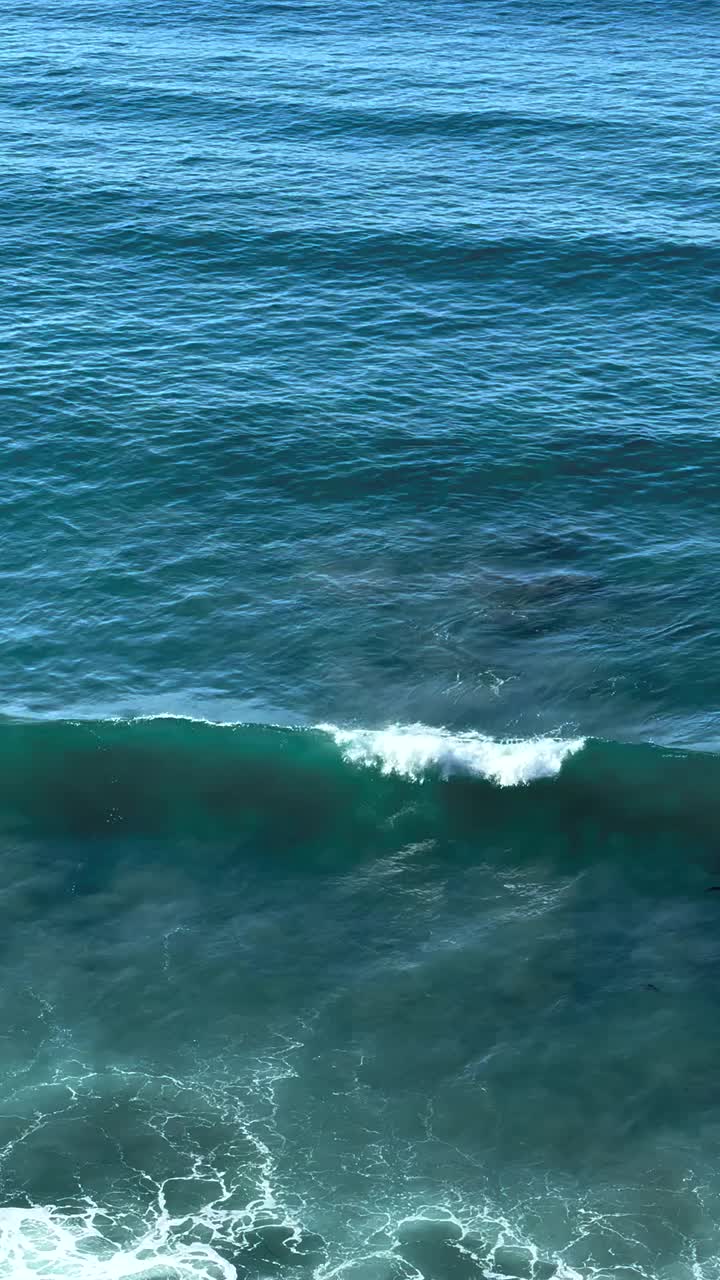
x: 359, y: 749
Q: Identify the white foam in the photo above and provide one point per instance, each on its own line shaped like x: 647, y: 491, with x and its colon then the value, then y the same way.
x: 40, y: 1244
x: 184, y: 716
x: 413, y: 750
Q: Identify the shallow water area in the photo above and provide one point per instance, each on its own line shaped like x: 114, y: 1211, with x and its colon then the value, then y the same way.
x: 277, y: 1005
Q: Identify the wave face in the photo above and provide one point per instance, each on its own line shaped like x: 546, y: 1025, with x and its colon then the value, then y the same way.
x: 168, y: 777
x: 172, y: 776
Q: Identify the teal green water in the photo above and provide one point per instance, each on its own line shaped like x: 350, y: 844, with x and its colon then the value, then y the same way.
x: 359, y: 756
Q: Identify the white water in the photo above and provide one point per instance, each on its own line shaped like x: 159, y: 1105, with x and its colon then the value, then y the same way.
x: 412, y: 750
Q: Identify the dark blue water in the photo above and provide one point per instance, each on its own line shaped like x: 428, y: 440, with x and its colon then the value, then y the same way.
x: 359, y: 420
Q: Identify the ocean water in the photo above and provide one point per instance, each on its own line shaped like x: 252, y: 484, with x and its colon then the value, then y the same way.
x: 360, y: 722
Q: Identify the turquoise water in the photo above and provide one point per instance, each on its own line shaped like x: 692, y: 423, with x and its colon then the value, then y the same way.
x: 359, y: 752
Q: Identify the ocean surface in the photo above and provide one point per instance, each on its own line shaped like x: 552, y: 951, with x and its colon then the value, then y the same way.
x: 360, y: 720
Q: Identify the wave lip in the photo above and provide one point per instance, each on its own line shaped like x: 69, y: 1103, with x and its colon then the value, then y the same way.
x: 412, y: 750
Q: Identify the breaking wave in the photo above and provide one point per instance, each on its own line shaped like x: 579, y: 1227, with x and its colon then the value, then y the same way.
x: 412, y: 750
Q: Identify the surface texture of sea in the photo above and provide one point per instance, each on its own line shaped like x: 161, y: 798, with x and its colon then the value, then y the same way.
x: 360, y: 496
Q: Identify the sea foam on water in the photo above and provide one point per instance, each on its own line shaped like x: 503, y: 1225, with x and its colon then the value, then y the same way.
x: 413, y: 750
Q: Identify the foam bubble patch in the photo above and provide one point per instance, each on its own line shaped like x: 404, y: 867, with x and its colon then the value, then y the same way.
x: 41, y: 1244
x: 411, y: 751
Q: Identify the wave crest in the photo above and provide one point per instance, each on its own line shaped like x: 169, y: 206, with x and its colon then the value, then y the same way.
x: 413, y: 750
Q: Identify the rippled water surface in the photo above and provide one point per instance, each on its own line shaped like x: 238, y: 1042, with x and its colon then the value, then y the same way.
x: 359, y: 361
